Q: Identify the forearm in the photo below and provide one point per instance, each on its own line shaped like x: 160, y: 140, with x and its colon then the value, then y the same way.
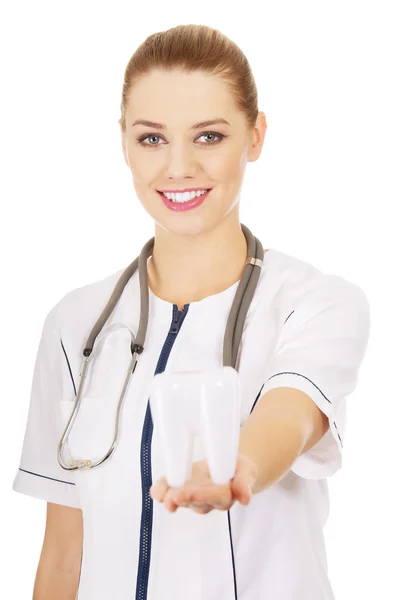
x: 284, y: 424
x: 56, y: 581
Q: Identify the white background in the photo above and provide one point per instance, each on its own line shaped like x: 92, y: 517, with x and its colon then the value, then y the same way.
x: 325, y: 189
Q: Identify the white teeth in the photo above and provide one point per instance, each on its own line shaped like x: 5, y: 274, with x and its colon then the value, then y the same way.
x: 183, y: 196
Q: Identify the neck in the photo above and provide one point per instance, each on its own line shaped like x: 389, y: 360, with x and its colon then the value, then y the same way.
x: 186, y: 269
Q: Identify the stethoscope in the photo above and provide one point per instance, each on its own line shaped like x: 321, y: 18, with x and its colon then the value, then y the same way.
x: 233, y: 332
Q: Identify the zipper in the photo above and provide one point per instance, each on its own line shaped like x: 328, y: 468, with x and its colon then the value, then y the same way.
x: 146, y: 526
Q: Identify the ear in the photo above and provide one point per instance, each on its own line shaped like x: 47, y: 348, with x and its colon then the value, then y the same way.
x: 257, y: 140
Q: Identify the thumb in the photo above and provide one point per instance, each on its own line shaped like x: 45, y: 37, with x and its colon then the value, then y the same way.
x: 244, y: 479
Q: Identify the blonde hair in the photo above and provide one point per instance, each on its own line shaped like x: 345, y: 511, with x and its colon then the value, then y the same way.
x: 194, y: 48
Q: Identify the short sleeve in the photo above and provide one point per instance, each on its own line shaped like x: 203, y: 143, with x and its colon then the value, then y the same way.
x: 319, y: 351
x: 39, y: 473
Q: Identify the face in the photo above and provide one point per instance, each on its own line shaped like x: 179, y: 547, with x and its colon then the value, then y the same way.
x: 176, y: 153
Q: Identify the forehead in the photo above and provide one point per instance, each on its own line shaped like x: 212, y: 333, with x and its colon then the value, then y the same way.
x: 178, y: 98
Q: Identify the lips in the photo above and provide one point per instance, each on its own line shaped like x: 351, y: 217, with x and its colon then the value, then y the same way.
x: 198, y: 189
x: 184, y: 206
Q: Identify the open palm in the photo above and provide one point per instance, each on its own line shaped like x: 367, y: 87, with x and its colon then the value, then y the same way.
x: 202, y: 495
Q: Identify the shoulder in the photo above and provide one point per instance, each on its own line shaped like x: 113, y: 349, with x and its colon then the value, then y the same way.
x: 81, y: 306
x: 300, y: 284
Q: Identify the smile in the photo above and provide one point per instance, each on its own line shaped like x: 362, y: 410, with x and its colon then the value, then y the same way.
x: 185, y: 200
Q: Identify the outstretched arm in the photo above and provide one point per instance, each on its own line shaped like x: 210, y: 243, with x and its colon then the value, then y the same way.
x: 284, y: 423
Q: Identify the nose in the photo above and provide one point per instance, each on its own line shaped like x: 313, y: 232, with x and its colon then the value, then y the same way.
x: 181, y: 161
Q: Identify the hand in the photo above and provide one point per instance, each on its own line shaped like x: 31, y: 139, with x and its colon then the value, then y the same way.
x: 202, y: 495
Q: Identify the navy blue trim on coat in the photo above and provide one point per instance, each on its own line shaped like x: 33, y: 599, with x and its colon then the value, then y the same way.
x: 46, y: 477
x: 337, y: 431
x: 289, y: 316
x: 146, y: 527
x: 256, y: 400
x: 232, y: 554
x: 69, y: 366
x: 300, y: 375
x: 323, y: 395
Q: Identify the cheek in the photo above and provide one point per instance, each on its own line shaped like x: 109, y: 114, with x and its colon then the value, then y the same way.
x: 227, y: 167
x: 142, y: 171
x: 143, y: 164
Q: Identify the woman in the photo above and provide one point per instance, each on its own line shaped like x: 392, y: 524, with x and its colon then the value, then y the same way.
x: 190, y: 121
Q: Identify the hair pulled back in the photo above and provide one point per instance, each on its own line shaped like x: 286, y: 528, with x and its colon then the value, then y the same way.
x: 194, y: 48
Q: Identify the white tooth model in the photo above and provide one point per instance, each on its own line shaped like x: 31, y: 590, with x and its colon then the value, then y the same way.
x: 205, y: 403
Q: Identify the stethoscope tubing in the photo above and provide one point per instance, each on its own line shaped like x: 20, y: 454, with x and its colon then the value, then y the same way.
x: 233, y: 333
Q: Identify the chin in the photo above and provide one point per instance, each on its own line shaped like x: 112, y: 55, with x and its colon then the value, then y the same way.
x: 183, y: 227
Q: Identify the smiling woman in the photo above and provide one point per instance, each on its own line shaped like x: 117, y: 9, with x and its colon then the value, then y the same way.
x: 199, y: 133
x: 189, y: 125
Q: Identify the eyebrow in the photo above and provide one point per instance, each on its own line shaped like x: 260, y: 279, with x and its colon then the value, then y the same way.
x: 195, y: 126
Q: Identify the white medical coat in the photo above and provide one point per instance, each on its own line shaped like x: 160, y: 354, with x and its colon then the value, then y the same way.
x: 304, y: 329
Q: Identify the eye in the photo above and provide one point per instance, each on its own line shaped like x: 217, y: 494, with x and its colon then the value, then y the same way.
x: 145, y: 137
x: 219, y: 137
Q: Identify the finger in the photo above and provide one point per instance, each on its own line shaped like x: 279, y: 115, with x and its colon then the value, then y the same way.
x: 217, y: 496
x: 241, y: 488
x: 244, y: 479
x: 206, y: 507
x: 159, y: 489
x: 182, y: 496
x: 169, y: 500
x: 225, y: 503
x: 186, y: 497
x: 185, y: 494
